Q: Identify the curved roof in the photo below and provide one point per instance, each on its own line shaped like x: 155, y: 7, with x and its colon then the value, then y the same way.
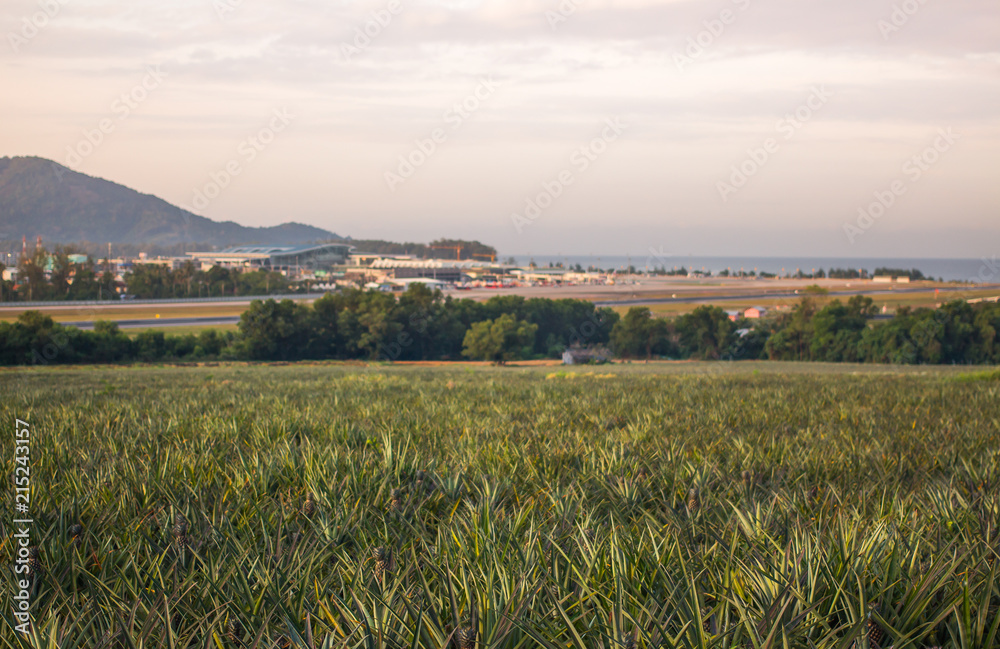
x: 280, y: 250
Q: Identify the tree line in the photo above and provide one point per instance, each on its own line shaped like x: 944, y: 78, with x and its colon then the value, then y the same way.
x: 44, y: 276
x: 421, y: 324
x: 955, y: 333
x: 443, y: 248
x: 54, y: 276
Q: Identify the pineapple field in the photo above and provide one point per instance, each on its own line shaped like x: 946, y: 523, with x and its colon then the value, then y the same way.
x: 627, y: 506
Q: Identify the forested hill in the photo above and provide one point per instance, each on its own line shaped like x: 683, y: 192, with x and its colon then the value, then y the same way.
x: 42, y: 197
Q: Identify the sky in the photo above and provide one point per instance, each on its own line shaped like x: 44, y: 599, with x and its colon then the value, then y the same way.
x: 841, y: 128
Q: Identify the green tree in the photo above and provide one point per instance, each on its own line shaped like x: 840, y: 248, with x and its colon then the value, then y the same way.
x: 150, y: 282
x: 791, y: 341
x: 501, y: 340
x: 33, y: 286
x: 271, y: 330
x: 60, y: 276
x: 86, y: 282
x: 706, y: 333
x: 640, y: 334
x: 370, y: 324
x: 837, y: 330
x: 108, y: 343
x: 6, y: 288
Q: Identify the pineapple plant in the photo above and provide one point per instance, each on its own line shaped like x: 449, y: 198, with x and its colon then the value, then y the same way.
x: 309, y: 506
x: 415, y: 595
x: 35, y: 568
x: 112, y: 637
x: 180, y: 530
x: 396, y: 500
x: 384, y: 562
x: 710, y: 623
x: 424, y: 480
x: 234, y: 631
x: 465, y: 637
x: 873, y: 632
x: 693, y: 501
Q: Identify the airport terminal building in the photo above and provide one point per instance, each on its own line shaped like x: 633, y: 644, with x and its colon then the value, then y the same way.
x: 294, y: 259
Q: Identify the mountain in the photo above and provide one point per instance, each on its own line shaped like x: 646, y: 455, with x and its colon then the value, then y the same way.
x: 41, y: 197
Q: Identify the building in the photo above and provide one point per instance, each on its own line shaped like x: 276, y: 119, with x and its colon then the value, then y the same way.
x: 540, y: 275
x: 285, y: 259
x: 450, y: 275
x: 423, y: 281
x: 436, y: 269
x: 368, y: 258
x: 584, y: 355
x: 755, y: 313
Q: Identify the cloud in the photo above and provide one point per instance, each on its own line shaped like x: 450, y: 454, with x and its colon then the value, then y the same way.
x: 230, y: 67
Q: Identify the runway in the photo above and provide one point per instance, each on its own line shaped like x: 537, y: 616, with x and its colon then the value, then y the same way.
x: 159, y: 323
x: 638, y: 300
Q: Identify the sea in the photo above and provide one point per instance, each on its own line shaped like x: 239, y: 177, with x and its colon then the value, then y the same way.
x: 985, y: 270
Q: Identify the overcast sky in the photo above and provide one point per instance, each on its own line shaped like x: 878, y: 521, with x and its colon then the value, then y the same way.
x: 822, y: 104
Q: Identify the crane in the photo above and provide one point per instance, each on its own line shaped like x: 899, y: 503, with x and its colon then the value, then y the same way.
x: 457, y: 249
